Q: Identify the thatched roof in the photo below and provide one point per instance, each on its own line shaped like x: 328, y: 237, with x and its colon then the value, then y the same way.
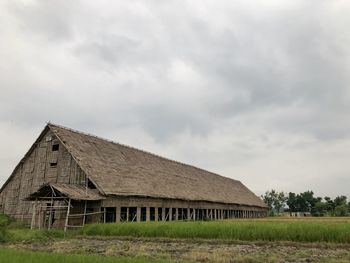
x: 72, y: 191
x: 125, y: 171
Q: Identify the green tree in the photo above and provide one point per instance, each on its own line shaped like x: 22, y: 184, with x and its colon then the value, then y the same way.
x: 275, y: 201
x: 280, y: 202
x: 306, y: 201
x: 330, y: 205
x: 341, y: 210
x: 292, y: 202
x: 340, y: 200
x: 320, y: 208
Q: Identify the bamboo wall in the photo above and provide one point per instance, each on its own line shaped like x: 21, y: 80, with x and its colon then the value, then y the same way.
x: 35, y: 171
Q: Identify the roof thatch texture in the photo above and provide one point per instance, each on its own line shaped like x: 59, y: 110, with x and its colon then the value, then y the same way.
x: 121, y: 170
x: 75, y: 192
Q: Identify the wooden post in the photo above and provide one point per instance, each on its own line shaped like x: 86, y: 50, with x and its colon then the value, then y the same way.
x: 138, y: 214
x: 176, y: 214
x: 32, y: 225
x: 67, y: 216
x: 170, y: 213
x: 84, y: 217
x: 148, y: 212
x: 156, y: 214
x: 188, y: 214
x: 127, y: 214
x: 163, y: 213
x: 50, y: 216
x: 40, y: 214
x: 104, y: 215
x: 117, y: 214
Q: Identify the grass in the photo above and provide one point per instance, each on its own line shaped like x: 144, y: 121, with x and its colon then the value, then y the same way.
x: 311, y: 230
x: 14, y: 256
x: 12, y: 230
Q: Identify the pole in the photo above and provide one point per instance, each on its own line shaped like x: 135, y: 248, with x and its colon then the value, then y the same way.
x: 67, y: 216
x: 50, y: 217
x: 32, y: 225
x: 84, y: 217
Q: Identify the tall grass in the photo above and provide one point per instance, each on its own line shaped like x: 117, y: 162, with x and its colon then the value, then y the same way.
x: 12, y: 230
x: 274, y: 230
x: 14, y: 256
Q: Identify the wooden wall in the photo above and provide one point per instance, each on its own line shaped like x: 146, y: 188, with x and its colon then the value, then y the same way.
x: 35, y: 171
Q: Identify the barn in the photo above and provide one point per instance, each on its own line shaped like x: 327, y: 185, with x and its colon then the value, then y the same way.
x: 69, y: 178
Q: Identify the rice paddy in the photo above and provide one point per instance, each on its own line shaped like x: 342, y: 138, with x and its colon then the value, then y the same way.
x: 309, y: 230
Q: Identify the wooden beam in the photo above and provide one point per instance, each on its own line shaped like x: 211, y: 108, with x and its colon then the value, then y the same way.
x: 156, y: 214
x: 84, y: 217
x: 148, y: 214
x: 138, y: 214
x: 104, y: 215
x: 67, y: 216
x: 117, y: 214
x: 50, y: 216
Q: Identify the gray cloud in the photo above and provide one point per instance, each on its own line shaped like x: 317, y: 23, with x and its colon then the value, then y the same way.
x: 256, y: 92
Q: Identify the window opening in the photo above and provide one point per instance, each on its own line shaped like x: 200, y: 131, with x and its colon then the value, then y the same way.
x: 55, y: 147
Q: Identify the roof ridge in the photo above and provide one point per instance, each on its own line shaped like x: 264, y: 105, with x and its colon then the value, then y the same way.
x: 141, y: 150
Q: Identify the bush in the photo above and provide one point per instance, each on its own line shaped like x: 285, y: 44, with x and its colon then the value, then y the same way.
x: 4, y: 222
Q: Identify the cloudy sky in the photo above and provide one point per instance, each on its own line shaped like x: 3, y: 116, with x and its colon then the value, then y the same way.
x: 253, y: 90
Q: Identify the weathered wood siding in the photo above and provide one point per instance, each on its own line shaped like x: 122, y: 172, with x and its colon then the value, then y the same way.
x: 35, y: 171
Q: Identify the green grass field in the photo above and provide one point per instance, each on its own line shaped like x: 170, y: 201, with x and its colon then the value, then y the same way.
x: 14, y: 256
x: 260, y: 240
x: 309, y: 230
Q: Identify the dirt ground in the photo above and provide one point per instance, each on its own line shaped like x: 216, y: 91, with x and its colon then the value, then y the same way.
x: 195, y: 250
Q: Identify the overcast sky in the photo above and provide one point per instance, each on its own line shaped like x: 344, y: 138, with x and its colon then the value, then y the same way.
x: 253, y: 90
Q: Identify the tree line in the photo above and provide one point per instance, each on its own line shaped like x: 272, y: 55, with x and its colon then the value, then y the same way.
x: 306, y: 202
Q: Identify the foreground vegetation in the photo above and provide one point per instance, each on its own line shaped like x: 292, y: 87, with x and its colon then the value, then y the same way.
x: 11, y: 231
x: 14, y: 256
x: 314, y: 240
x: 330, y: 230
x: 334, y: 231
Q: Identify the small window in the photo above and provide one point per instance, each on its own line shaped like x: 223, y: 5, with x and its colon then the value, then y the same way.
x: 91, y: 185
x: 53, y: 164
x: 55, y: 147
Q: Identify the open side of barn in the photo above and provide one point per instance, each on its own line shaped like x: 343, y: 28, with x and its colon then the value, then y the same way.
x: 69, y: 178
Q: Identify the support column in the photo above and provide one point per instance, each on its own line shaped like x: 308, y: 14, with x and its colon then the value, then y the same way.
x: 50, y: 216
x: 67, y: 216
x: 163, y: 213
x: 40, y: 216
x: 84, y: 217
x: 138, y: 214
x: 148, y: 214
x: 32, y: 225
x: 188, y: 214
x: 170, y: 214
x: 156, y: 214
x: 194, y: 213
x: 117, y: 214
x: 176, y: 214
x: 127, y: 214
